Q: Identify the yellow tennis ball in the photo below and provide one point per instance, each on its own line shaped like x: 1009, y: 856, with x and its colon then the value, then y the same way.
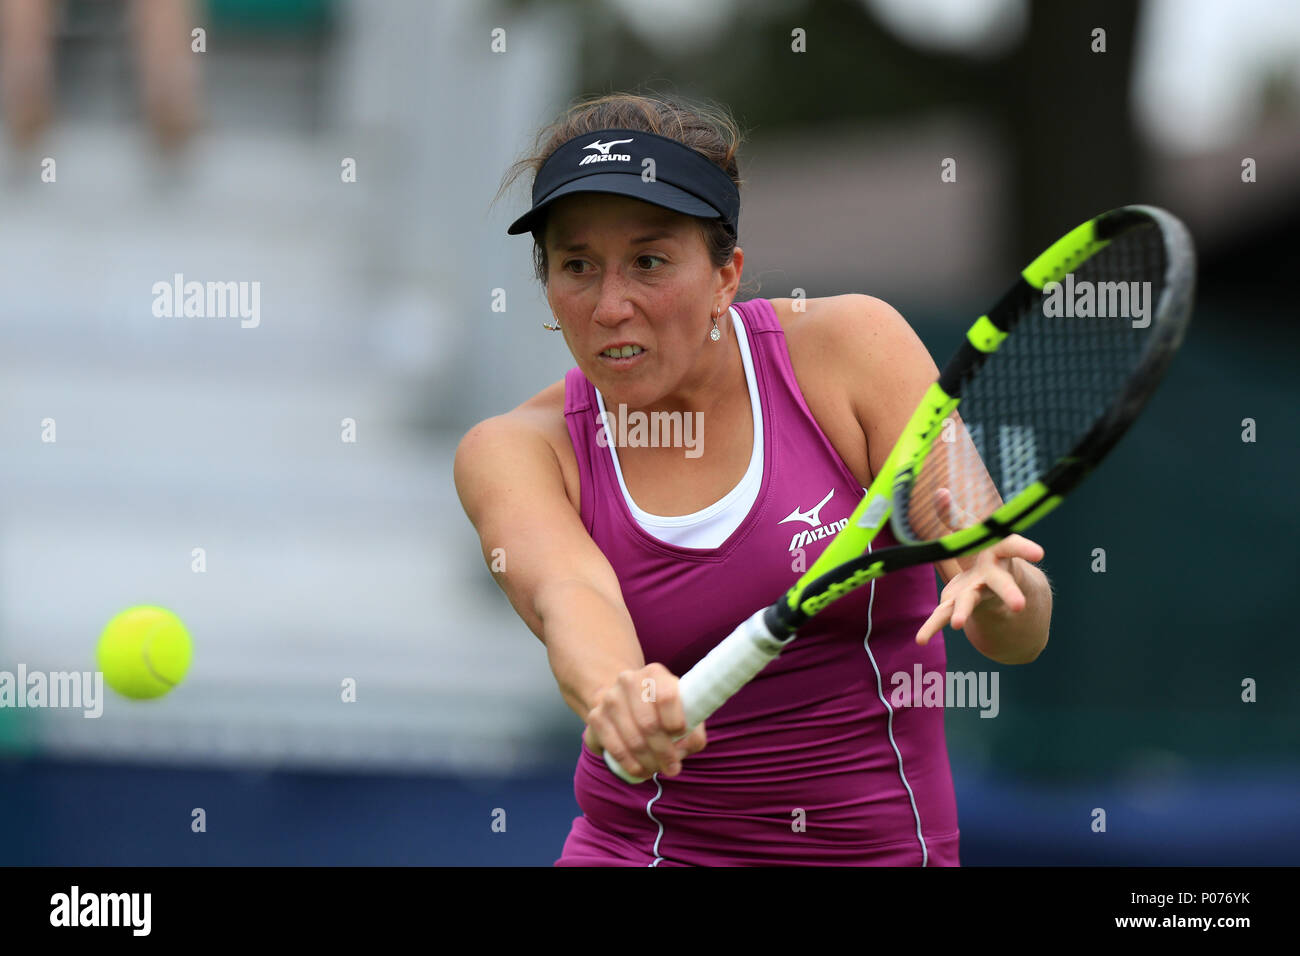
x: 144, y: 652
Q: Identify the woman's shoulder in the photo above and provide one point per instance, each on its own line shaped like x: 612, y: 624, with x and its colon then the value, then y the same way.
x: 536, y: 420
x: 532, y: 434
x: 859, y: 339
x: 834, y: 319
x: 844, y: 341
x: 847, y: 353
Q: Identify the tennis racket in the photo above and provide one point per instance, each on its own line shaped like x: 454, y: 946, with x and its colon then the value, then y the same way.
x: 1041, y: 389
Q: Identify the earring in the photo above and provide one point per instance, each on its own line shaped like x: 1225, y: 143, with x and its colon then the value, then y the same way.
x: 716, y: 333
x: 551, y: 328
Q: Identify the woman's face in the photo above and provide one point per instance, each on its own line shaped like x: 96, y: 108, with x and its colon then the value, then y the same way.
x: 621, y: 272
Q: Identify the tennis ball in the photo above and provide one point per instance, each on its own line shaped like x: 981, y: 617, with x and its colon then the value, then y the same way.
x: 144, y: 652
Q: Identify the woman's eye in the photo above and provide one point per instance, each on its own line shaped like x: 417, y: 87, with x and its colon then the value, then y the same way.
x: 574, y: 266
x: 647, y: 262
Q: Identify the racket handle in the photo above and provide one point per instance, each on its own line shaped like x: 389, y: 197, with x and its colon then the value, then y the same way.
x: 719, y: 674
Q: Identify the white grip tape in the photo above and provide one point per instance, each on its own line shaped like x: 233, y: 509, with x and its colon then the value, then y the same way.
x: 727, y: 668
x: 719, y: 674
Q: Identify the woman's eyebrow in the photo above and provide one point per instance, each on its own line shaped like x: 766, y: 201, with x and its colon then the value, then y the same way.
x: 636, y: 240
x: 653, y: 237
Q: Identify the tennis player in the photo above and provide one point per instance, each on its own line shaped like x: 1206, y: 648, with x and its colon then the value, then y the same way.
x: 630, y: 555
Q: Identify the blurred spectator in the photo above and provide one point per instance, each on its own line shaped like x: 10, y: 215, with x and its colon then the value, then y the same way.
x: 166, y: 69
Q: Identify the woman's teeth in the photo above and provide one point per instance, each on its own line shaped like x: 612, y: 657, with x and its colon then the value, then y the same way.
x: 627, y: 351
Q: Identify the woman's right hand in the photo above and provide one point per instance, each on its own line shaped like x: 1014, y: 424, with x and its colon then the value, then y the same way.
x: 638, y: 719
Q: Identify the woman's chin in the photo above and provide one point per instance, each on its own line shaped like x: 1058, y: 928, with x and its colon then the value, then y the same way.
x: 629, y: 398
x: 616, y: 389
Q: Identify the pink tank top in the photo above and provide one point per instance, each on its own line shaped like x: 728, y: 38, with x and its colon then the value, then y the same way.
x: 809, y: 763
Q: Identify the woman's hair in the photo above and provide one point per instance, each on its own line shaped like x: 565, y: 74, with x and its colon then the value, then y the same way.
x: 708, y: 129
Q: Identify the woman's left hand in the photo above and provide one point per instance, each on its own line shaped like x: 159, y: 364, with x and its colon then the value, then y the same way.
x: 990, y: 583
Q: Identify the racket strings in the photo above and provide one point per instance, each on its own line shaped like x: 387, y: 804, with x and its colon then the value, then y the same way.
x: 1033, y: 401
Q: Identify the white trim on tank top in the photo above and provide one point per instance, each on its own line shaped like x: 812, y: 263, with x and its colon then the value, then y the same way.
x: 709, y: 527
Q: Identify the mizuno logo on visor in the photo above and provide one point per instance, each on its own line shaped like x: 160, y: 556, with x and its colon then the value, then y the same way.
x: 605, y: 155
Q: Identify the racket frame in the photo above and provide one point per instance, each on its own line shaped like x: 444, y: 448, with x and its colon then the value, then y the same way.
x: 843, y: 567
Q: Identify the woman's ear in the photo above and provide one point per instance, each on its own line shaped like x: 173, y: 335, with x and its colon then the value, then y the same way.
x: 732, y: 272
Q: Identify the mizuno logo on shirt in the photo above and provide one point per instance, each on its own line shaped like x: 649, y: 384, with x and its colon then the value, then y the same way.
x: 804, y: 538
x: 813, y: 517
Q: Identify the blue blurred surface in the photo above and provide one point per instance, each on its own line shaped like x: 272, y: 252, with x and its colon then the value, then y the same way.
x: 85, y: 814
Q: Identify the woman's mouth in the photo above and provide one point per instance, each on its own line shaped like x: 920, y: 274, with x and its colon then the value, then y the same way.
x: 621, y: 356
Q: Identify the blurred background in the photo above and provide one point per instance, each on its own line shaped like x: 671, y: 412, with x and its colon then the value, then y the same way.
x: 343, y: 156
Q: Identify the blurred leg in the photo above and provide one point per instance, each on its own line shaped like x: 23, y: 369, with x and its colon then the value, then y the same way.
x: 168, y: 68
x: 26, y: 67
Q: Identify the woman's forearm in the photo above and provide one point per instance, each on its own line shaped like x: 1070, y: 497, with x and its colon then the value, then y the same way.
x: 589, y: 641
